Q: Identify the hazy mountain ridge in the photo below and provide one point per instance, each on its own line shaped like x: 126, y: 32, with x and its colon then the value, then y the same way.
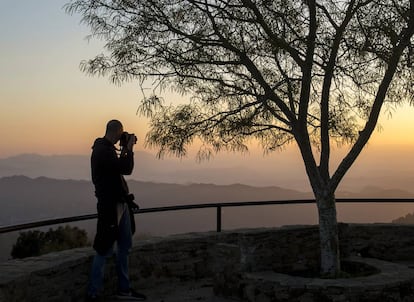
x: 285, y: 171
x: 52, y: 166
x: 375, y: 192
x: 59, y: 186
x: 23, y: 198
x: 147, y: 168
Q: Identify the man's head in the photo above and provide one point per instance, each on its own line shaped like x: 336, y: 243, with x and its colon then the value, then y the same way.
x: 114, y: 130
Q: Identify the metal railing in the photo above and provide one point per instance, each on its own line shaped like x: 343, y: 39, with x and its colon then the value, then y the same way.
x: 218, y: 206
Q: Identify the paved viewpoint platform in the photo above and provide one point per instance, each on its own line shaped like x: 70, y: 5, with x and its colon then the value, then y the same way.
x: 184, y: 267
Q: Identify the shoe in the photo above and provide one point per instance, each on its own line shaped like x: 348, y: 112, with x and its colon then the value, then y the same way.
x: 92, y: 299
x: 130, y: 296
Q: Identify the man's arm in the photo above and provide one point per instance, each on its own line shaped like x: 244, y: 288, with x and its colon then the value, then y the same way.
x: 126, y: 158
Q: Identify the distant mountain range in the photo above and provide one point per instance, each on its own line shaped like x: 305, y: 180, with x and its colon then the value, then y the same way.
x: 395, y: 174
x: 148, y: 167
x: 37, y: 186
x: 24, y: 199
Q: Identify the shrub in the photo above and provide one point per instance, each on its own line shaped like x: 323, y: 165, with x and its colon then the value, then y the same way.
x: 35, y: 243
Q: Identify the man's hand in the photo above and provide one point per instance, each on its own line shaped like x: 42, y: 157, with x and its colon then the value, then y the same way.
x: 131, y: 141
x: 133, y: 206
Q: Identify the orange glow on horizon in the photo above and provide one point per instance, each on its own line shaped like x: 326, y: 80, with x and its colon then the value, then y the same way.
x: 48, y: 106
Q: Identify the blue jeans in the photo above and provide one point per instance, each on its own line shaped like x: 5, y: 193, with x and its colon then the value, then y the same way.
x: 124, y: 243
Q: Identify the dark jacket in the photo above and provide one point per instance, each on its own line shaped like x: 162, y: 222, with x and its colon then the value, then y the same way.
x: 110, y: 188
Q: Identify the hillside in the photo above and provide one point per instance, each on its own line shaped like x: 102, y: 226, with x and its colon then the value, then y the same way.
x: 24, y: 199
x: 284, y: 170
x: 222, y: 170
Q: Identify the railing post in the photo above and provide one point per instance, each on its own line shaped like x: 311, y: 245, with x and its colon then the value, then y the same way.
x: 218, y: 219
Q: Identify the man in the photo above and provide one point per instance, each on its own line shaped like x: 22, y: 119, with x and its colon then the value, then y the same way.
x: 115, y: 205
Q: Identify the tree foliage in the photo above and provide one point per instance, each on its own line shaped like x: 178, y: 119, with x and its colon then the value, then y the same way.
x: 35, y: 243
x: 277, y: 71
x: 313, y: 72
x: 248, y: 64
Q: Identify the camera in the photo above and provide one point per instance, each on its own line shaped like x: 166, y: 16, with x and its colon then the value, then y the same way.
x: 125, y: 137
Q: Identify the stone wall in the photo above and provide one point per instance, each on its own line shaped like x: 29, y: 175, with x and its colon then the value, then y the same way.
x: 282, y: 265
x: 63, y: 276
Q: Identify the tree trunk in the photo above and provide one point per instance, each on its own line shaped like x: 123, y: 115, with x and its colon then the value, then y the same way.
x: 328, y: 233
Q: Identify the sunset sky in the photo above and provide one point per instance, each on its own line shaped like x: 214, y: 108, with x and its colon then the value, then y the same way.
x: 48, y: 106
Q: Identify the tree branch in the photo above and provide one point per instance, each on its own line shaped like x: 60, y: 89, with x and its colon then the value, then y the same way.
x: 365, y: 134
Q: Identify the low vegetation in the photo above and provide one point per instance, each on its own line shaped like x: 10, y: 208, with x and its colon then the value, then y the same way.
x: 35, y: 243
x: 407, y: 219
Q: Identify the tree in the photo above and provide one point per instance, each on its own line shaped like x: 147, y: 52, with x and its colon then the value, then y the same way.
x: 310, y: 72
x: 35, y: 243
